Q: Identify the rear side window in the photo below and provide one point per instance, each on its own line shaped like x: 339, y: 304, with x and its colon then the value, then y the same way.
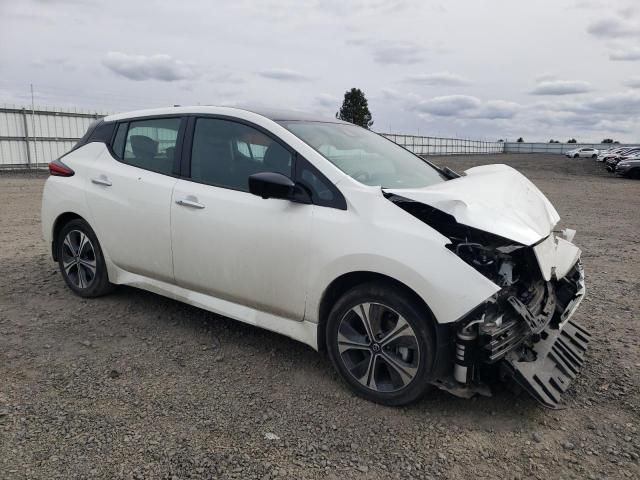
x: 148, y: 144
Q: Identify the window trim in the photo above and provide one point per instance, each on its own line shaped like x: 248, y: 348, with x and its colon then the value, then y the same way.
x: 185, y: 168
x: 338, y: 201
x: 177, y: 159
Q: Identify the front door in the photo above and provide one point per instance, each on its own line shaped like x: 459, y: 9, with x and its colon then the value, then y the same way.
x: 229, y: 243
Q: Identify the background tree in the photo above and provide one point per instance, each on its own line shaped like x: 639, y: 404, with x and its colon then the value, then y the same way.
x: 607, y: 140
x: 520, y: 140
x: 573, y: 140
x: 355, y: 108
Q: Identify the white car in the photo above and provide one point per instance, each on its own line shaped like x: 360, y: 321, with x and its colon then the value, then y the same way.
x: 583, y: 152
x: 408, y: 275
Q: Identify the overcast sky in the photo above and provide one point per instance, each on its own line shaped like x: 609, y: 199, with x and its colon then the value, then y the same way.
x: 468, y: 68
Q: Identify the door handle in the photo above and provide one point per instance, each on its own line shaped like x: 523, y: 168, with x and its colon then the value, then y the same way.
x: 185, y: 202
x: 101, y: 180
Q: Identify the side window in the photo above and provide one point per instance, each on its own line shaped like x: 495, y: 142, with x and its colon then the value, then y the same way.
x: 323, y: 192
x: 118, y: 141
x: 148, y: 144
x: 225, y: 153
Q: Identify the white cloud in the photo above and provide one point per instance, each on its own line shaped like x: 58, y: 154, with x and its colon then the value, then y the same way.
x: 438, y: 78
x: 154, y: 67
x: 561, y: 87
x: 465, y: 106
x: 629, y: 54
x: 394, y: 52
x: 632, y: 82
x: 327, y: 101
x: 284, y: 74
x: 614, y: 27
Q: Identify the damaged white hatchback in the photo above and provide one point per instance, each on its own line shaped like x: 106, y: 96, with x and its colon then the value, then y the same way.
x: 407, y: 274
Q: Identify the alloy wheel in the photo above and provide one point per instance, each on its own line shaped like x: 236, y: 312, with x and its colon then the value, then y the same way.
x: 378, y: 347
x: 79, y: 259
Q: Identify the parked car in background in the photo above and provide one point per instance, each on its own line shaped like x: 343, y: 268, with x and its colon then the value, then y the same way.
x: 582, y: 153
x: 629, y: 167
x: 604, y: 156
x: 407, y: 274
x: 613, y: 160
x: 604, y: 153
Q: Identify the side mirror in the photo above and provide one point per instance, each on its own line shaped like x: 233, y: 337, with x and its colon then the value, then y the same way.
x: 271, y: 185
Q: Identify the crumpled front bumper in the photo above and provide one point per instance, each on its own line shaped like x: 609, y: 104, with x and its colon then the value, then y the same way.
x: 559, y: 356
x: 547, y: 363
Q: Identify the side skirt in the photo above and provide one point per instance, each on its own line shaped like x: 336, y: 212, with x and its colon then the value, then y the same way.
x: 304, y: 331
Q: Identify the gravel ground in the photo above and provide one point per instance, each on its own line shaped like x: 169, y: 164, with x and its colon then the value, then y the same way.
x: 134, y: 385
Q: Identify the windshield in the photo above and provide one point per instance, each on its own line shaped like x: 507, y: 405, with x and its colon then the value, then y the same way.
x: 366, y: 156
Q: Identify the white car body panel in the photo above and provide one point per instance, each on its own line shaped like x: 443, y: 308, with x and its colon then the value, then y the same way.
x: 494, y: 198
x: 269, y: 262
x: 131, y: 216
x: 556, y: 256
x: 242, y: 248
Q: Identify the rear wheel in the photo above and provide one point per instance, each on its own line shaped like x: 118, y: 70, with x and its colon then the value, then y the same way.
x: 594, y: 156
x: 381, y: 342
x: 81, y: 261
x: 634, y: 173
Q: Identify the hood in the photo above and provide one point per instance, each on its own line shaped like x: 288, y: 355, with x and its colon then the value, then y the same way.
x: 494, y: 198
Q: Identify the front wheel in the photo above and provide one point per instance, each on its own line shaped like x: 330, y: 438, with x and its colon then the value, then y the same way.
x: 576, y: 155
x: 380, y: 340
x: 81, y: 261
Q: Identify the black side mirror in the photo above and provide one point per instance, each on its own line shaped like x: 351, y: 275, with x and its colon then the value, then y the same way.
x: 271, y: 185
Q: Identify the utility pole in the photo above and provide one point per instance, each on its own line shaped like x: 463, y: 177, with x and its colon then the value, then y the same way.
x: 33, y: 126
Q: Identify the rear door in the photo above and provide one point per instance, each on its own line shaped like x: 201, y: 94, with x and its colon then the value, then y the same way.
x: 129, y: 195
x: 229, y: 243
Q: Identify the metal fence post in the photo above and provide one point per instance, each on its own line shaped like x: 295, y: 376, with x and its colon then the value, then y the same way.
x: 26, y: 136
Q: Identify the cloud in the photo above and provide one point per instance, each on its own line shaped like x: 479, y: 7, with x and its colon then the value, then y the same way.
x: 439, y: 78
x: 626, y: 103
x: 630, y: 54
x: 448, y: 105
x: 467, y: 107
x: 154, y: 67
x: 632, y: 82
x: 327, y: 101
x: 613, y: 27
x: 284, y: 74
x: 561, y: 87
x: 391, y: 52
x: 399, y: 53
x: 495, y: 109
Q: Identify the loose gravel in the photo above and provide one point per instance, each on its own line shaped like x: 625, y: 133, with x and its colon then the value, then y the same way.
x: 134, y: 385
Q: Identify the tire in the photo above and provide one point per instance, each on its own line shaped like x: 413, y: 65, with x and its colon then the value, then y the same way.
x: 594, y: 156
x: 402, y: 363
x: 85, y: 273
x: 634, y: 174
x: 576, y: 156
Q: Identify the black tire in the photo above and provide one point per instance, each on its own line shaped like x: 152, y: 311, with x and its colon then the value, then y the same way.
x: 594, y: 156
x: 634, y: 174
x: 419, y: 337
x: 79, y: 277
x: 576, y: 156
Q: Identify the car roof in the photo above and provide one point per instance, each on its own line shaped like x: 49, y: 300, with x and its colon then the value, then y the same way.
x: 270, y: 113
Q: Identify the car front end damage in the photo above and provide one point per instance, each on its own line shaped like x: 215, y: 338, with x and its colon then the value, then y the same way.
x: 524, y: 332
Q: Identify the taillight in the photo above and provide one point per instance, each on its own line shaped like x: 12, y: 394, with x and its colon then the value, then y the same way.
x: 59, y: 169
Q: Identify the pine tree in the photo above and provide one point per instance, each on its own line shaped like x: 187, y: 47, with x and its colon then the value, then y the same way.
x: 355, y: 109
